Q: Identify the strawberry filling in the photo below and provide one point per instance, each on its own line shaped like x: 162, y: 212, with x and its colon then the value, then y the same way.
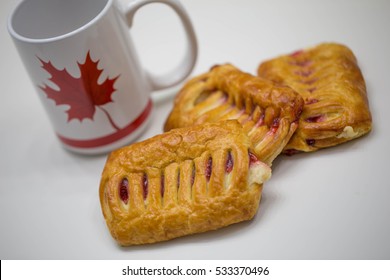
x: 252, y: 158
x: 301, y: 63
x: 162, y: 186
x: 123, y: 190
x: 275, y: 125
x: 229, y: 163
x: 311, y: 101
x: 145, y: 186
x: 296, y: 53
x: 314, y: 119
x: 291, y: 152
x: 193, y: 176
x: 209, y: 168
x: 310, y: 142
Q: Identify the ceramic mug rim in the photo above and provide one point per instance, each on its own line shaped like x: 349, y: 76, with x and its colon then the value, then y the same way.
x: 85, y: 26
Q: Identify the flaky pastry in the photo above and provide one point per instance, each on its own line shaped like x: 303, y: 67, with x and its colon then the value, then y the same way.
x: 185, y: 181
x: 329, y: 79
x: 269, y: 113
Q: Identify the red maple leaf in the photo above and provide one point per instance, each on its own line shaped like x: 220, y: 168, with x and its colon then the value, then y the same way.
x: 83, y: 94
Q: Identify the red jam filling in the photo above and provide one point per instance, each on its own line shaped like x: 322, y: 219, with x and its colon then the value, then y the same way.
x: 296, y: 53
x: 209, y: 168
x: 124, y: 191
x: 291, y: 152
x: 178, y: 179
x: 310, y: 142
x: 301, y: 63
x: 252, y: 158
x: 260, y: 122
x: 275, y: 125
x: 311, y: 101
x: 229, y: 163
x: 145, y: 186
x: 162, y: 186
x: 193, y: 176
x: 315, y: 119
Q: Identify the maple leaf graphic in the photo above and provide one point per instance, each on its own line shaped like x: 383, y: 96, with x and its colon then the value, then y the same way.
x: 82, y: 94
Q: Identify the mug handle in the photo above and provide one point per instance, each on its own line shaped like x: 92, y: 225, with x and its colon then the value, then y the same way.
x: 184, y: 68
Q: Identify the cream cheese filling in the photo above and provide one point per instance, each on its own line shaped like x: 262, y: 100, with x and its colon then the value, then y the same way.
x: 348, y: 132
x: 259, y: 173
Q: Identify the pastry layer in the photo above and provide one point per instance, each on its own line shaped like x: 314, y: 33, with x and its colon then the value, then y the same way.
x: 181, y: 182
x: 268, y: 113
x: 329, y: 80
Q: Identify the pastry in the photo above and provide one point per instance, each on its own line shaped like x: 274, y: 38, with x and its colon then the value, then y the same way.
x: 185, y: 181
x: 329, y: 80
x: 269, y: 113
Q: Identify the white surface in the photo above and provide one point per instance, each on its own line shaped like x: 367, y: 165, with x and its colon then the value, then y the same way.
x: 332, y: 204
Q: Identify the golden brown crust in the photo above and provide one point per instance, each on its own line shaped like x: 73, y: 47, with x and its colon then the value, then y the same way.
x: 268, y: 112
x: 329, y: 80
x: 181, y: 182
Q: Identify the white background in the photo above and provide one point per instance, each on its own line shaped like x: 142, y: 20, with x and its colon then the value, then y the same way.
x: 332, y: 204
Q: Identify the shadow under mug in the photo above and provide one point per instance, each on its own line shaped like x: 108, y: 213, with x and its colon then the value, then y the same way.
x: 82, y: 62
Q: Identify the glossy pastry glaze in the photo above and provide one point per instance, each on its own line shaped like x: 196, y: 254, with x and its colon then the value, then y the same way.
x: 181, y: 182
x: 329, y: 80
x: 268, y: 113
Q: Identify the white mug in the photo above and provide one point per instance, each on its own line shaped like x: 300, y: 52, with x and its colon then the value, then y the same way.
x: 81, y: 60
